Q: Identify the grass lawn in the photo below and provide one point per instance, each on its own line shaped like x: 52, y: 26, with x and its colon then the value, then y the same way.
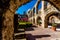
x: 24, y: 24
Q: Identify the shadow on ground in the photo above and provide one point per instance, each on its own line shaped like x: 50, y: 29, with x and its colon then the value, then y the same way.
x: 33, y: 37
x: 58, y: 25
x: 30, y: 28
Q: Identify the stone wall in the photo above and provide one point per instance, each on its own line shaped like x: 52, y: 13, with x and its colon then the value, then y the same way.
x: 8, y: 8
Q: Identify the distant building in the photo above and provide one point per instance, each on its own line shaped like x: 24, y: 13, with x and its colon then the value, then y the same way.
x: 47, y: 15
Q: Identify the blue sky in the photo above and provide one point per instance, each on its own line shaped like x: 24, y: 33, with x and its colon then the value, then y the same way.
x: 27, y: 6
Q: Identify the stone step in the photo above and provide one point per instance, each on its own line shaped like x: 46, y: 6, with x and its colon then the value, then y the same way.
x: 20, y: 36
x: 21, y: 29
x: 19, y: 33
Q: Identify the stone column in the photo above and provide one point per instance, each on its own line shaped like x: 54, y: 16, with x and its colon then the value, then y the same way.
x: 36, y: 7
x: 32, y: 12
x: 32, y: 15
x: 35, y: 20
x: 43, y: 14
x: 27, y: 14
x: 36, y: 11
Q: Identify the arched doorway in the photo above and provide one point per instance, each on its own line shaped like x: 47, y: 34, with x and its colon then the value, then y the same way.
x: 39, y: 21
x: 52, y: 19
x: 49, y: 19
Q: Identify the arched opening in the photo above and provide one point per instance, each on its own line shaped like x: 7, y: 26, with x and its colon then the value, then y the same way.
x: 20, y: 22
x: 39, y: 21
x: 51, y: 18
x: 34, y: 10
x: 31, y: 14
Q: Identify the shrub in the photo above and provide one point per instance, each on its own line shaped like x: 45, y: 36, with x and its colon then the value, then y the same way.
x: 54, y: 24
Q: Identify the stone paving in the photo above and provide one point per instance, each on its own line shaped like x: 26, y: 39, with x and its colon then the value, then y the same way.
x: 42, y: 34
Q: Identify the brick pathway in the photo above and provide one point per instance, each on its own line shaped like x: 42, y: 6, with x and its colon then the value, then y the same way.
x: 42, y: 34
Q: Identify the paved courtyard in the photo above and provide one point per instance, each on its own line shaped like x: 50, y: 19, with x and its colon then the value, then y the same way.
x: 38, y: 33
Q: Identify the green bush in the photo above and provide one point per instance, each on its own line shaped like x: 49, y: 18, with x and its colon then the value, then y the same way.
x: 24, y: 24
x: 54, y: 24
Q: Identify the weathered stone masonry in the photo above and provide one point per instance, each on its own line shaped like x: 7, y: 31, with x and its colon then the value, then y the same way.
x: 44, y: 13
x: 8, y: 18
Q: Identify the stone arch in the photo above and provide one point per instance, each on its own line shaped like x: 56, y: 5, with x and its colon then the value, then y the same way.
x: 48, y: 16
x: 30, y: 14
x: 36, y: 6
x: 51, y: 18
x: 39, y: 21
x: 8, y: 17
